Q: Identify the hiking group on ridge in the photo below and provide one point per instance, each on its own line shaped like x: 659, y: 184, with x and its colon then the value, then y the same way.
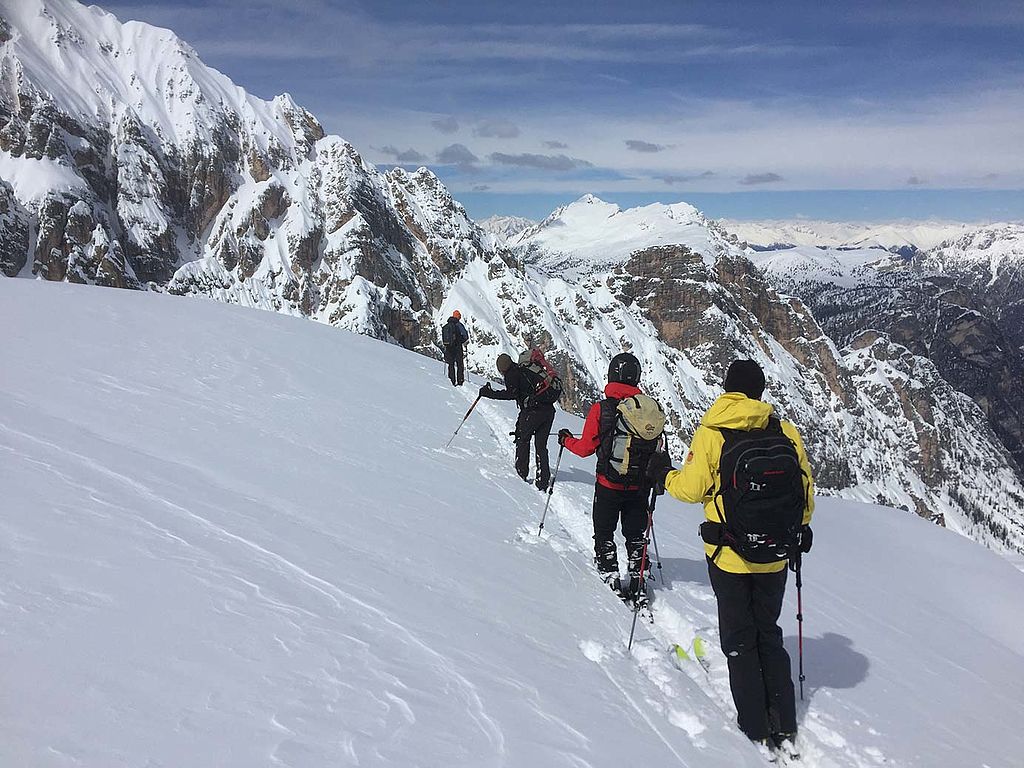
x: 745, y: 465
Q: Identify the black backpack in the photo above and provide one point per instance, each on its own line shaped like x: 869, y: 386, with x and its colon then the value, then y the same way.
x: 545, y: 387
x: 450, y: 334
x: 630, y: 430
x: 761, y: 498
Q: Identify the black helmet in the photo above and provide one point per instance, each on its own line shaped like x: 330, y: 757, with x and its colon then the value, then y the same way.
x: 624, y: 369
x: 504, y: 362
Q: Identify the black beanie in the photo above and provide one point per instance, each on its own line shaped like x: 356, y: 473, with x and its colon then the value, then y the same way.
x: 745, y: 376
x: 504, y: 362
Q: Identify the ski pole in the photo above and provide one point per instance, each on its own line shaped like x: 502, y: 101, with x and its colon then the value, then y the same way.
x: 463, y: 421
x: 654, y: 537
x: 800, y: 621
x: 643, y: 567
x: 657, y: 555
x: 551, y: 488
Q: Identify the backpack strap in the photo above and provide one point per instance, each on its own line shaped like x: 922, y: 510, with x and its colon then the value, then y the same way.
x: 609, y: 403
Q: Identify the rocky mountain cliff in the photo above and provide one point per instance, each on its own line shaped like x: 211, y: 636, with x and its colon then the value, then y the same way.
x: 956, y: 305
x: 126, y: 162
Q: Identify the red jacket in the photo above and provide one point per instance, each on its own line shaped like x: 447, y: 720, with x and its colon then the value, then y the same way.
x: 587, y: 443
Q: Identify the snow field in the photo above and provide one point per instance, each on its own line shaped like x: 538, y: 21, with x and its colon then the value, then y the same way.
x: 235, y: 538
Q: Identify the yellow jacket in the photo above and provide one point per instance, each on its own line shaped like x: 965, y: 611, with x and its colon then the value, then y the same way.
x: 698, y: 480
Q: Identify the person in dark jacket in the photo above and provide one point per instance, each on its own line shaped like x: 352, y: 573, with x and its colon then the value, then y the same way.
x: 534, y: 422
x: 454, y: 337
x: 613, y: 501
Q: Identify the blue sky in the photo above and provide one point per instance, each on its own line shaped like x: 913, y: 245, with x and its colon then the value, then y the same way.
x: 842, y: 110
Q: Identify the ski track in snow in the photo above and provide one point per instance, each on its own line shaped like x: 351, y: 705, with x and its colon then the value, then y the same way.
x: 680, y: 614
x: 288, y: 569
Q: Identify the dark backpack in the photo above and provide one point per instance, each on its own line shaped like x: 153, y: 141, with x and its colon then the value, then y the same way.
x: 630, y: 431
x: 761, y: 499
x: 544, y: 385
x: 449, y: 334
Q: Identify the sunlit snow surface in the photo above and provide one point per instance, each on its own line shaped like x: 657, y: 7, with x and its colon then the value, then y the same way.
x: 233, y: 538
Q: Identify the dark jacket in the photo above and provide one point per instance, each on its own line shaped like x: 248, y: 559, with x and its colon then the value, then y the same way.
x: 518, y: 387
x: 461, y: 334
x: 588, y: 443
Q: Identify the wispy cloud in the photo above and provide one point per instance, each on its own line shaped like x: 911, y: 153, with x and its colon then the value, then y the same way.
x: 670, y: 178
x: 760, y: 178
x: 500, y: 129
x: 447, y: 125
x: 403, y: 156
x: 636, y: 145
x: 458, y: 155
x: 540, y: 162
x: 556, y: 145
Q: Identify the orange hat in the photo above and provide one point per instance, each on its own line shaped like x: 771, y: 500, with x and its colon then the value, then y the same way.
x: 457, y: 315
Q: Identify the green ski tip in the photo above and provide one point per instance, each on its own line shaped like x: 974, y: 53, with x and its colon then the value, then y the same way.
x: 697, y: 648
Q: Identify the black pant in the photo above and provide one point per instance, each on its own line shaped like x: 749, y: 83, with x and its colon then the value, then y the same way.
x: 454, y: 356
x: 609, y: 506
x: 749, y: 605
x: 534, y: 424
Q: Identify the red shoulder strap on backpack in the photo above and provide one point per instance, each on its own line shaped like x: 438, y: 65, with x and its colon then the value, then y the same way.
x: 536, y: 356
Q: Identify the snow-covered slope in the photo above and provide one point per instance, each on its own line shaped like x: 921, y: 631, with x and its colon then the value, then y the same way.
x: 904, y: 237
x: 505, y: 227
x: 222, y: 548
x: 591, y: 234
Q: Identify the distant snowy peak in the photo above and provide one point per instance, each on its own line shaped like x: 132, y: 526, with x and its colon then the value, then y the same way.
x: 98, y: 69
x: 505, y: 227
x: 591, y: 235
x: 904, y: 237
x: 994, y: 247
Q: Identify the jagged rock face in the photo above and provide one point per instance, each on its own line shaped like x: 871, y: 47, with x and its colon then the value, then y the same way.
x: 135, y: 128
x: 14, y: 231
x: 927, y: 434
x: 944, y: 317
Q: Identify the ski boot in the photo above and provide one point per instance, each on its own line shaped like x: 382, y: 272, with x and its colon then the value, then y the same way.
x: 637, y: 595
x: 784, y: 745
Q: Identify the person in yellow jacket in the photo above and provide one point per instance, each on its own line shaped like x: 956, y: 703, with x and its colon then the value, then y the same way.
x: 749, y: 593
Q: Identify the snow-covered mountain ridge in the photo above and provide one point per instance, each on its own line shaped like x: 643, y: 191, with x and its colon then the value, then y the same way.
x: 256, y: 206
x: 505, y: 227
x: 324, y: 585
x: 904, y: 237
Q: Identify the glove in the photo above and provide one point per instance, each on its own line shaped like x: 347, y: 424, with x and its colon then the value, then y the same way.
x: 485, y: 390
x: 658, y: 468
x: 563, y: 434
x: 805, y: 538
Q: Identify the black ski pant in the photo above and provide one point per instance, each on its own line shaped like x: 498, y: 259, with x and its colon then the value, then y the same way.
x: 534, y: 426
x: 760, y: 677
x: 610, y: 506
x: 454, y: 355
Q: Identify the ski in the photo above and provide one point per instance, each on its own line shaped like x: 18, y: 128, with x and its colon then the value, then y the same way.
x: 695, y: 651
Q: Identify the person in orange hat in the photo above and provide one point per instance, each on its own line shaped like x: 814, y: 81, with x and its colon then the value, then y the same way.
x: 454, y: 337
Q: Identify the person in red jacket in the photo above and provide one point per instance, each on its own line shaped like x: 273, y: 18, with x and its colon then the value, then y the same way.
x: 613, y: 501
